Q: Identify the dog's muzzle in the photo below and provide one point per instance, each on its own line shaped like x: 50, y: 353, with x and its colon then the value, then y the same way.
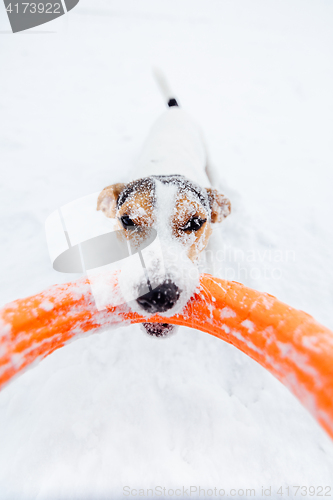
x: 160, y: 299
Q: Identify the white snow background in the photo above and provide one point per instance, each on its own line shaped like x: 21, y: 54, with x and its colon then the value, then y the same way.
x: 77, y: 99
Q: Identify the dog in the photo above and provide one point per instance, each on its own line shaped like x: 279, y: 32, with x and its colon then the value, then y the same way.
x: 173, y: 192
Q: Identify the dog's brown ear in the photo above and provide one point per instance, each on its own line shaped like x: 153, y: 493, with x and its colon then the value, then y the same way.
x: 219, y: 204
x: 107, y: 200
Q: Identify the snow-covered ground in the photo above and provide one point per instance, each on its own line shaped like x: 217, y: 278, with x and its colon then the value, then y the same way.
x: 77, y: 99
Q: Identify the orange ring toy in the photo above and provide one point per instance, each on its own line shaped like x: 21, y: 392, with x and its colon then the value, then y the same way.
x: 287, y: 342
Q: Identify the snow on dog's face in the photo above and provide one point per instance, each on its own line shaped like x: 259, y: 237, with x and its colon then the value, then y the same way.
x: 182, y: 213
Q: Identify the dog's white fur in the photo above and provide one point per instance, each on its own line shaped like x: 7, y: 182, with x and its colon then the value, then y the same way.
x: 174, y: 146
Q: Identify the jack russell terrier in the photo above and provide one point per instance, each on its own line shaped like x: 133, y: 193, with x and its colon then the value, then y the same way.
x: 173, y: 194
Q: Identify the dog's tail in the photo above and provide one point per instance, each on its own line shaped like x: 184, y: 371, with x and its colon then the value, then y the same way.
x: 165, y: 88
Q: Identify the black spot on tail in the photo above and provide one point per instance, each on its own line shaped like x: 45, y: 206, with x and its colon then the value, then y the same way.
x: 172, y: 102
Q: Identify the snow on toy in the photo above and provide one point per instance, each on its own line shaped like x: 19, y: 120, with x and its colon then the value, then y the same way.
x: 287, y: 342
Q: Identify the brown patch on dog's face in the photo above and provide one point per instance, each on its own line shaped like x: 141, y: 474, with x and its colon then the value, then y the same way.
x: 191, y: 224
x: 138, y: 212
x: 139, y: 208
x: 133, y: 205
x: 134, y: 201
x: 107, y: 200
x: 219, y: 204
x: 135, y: 211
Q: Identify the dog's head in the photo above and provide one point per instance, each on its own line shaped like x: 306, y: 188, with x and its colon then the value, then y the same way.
x: 182, y: 213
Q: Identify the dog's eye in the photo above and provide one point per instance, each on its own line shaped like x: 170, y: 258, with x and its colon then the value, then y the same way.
x: 194, y: 224
x: 127, y: 222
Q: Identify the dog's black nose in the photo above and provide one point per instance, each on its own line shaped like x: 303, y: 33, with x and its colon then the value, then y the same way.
x: 160, y: 299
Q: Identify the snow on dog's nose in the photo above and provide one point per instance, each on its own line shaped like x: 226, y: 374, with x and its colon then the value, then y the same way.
x: 160, y: 299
